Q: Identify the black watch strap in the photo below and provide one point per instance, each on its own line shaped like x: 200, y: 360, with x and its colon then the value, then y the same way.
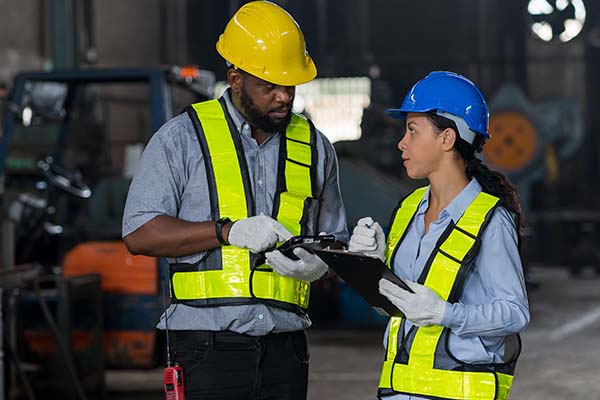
x: 219, y: 230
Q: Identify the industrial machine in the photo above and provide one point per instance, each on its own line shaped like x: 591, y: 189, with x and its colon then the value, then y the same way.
x: 529, y: 139
x: 69, y: 144
x: 533, y: 144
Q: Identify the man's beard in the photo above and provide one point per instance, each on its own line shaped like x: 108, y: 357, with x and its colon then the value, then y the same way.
x: 263, y: 121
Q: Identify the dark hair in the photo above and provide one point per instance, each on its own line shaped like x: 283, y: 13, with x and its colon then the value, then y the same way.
x: 492, y: 182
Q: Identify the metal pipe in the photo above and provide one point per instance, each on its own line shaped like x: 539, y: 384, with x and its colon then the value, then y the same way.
x: 6, y: 261
x: 64, y: 34
x: 2, y: 384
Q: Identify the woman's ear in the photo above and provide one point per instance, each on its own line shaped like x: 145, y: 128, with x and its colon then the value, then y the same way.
x: 449, y: 138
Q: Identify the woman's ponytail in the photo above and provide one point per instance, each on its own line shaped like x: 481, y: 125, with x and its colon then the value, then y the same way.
x: 495, y: 183
x: 492, y: 182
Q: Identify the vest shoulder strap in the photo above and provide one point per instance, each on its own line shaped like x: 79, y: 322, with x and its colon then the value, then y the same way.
x: 401, y: 219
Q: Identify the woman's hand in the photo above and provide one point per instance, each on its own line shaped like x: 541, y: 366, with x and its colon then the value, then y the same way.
x: 423, y: 307
x: 368, y: 238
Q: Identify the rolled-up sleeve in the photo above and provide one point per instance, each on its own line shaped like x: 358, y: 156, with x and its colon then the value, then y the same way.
x: 157, y: 184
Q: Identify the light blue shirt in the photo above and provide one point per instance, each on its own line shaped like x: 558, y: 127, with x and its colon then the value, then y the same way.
x: 171, y: 180
x: 494, y: 300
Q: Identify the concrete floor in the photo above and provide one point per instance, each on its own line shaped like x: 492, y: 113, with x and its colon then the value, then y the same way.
x: 560, y: 358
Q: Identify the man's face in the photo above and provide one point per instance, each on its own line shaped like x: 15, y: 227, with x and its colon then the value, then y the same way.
x: 265, y: 105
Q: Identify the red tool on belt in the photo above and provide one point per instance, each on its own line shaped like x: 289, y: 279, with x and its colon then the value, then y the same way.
x: 173, y: 375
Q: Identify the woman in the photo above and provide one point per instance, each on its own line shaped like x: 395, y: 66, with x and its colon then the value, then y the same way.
x: 456, y: 243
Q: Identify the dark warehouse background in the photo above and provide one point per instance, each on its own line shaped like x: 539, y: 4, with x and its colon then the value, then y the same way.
x: 393, y: 43
x: 490, y: 42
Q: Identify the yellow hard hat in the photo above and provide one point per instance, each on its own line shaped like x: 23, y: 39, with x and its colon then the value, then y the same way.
x: 264, y: 40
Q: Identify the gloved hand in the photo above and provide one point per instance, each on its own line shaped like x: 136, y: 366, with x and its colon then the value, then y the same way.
x: 257, y: 233
x: 368, y: 238
x: 308, y: 268
x: 423, y: 307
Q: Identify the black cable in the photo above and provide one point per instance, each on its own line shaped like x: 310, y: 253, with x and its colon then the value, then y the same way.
x: 12, y: 354
x: 61, y: 344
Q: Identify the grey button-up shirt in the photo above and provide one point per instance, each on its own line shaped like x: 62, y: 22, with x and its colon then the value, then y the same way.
x: 171, y: 180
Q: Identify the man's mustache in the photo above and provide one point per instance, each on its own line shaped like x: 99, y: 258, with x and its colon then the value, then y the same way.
x: 283, y: 108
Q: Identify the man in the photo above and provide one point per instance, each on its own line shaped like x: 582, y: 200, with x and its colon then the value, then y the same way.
x: 229, y: 179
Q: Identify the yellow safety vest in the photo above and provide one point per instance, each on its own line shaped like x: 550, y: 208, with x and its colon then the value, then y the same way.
x: 230, y: 278
x: 427, y: 369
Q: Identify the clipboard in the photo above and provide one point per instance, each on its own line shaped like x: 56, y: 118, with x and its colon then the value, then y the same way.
x: 363, y: 273
x: 307, y: 242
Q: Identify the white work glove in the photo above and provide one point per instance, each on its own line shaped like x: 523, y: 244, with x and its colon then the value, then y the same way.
x: 368, y: 238
x: 422, y: 308
x: 308, y: 268
x: 257, y: 233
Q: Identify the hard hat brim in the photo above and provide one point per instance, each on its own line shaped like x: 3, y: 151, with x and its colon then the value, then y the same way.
x: 400, y: 113
x: 284, y: 78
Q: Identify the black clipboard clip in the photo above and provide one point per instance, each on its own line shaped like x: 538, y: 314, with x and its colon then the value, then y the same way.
x: 308, y: 242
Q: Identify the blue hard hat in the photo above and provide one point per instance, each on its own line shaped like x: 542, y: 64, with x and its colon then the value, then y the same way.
x: 452, y: 96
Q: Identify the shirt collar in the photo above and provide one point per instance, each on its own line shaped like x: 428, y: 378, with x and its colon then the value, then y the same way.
x: 458, y: 205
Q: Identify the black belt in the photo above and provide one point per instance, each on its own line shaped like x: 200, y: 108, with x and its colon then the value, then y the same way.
x: 210, y: 337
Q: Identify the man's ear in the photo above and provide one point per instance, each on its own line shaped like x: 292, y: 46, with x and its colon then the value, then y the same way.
x: 235, y: 79
x: 449, y: 138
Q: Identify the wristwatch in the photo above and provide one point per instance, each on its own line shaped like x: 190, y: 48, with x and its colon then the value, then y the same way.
x: 219, y: 230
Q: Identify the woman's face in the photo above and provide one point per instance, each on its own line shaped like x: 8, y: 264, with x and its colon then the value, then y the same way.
x: 421, y: 146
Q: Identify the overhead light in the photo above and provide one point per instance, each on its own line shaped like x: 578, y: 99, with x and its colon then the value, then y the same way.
x: 560, y: 20
x: 538, y: 7
x: 26, y: 116
x: 543, y: 30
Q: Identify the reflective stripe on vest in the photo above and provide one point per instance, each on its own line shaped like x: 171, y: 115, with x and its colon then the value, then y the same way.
x: 419, y: 375
x: 235, y: 280
x: 404, y: 215
x: 300, y: 160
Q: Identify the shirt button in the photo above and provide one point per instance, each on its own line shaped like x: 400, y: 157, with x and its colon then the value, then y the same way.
x: 260, y: 316
x: 260, y: 182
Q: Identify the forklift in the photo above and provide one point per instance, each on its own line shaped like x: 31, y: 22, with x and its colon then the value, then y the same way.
x: 69, y: 144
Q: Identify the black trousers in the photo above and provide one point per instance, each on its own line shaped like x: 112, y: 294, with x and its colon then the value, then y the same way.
x: 227, y: 365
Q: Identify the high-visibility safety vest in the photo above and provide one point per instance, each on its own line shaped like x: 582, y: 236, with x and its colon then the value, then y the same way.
x: 428, y: 369
x: 227, y: 276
